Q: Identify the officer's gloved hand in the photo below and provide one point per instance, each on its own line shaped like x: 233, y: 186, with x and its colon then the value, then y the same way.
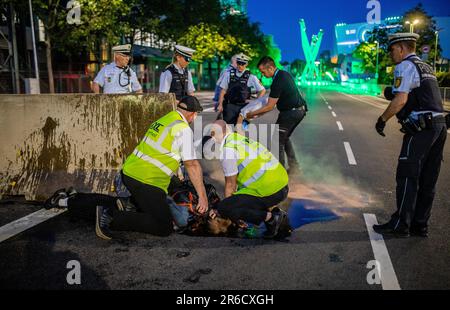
x: 388, y: 93
x: 380, y: 125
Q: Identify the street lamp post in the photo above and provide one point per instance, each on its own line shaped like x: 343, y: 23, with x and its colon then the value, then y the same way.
x: 436, y: 48
x: 376, y: 68
x: 412, y: 24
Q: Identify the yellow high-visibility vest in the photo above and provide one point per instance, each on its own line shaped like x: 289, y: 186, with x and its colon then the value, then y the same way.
x: 153, y: 162
x: 260, y: 173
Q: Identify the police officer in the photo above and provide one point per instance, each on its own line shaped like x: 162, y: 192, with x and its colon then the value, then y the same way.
x: 236, y: 89
x: 418, y: 106
x: 176, y: 78
x: 255, y: 181
x: 117, y: 77
x: 147, y: 174
x: 217, y: 90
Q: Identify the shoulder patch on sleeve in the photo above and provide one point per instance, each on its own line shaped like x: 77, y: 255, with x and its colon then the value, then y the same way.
x: 398, y: 82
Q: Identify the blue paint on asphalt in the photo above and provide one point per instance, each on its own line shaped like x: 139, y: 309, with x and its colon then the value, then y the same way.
x: 303, y: 212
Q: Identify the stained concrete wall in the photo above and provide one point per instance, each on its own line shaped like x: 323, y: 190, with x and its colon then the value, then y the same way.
x: 52, y: 141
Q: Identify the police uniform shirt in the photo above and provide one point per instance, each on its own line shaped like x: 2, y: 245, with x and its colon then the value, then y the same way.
x: 166, y: 81
x: 108, y: 79
x: 184, y: 143
x: 223, y: 73
x: 406, y: 77
x: 253, y: 81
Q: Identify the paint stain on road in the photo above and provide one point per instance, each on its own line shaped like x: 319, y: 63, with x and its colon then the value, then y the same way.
x: 303, y: 212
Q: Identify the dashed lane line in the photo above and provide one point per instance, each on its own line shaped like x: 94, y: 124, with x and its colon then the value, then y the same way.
x: 339, y: 124
x: 350, y: 155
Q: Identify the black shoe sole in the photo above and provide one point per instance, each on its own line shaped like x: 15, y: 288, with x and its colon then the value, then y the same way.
x: 421, y: 235
x: 393, y: 234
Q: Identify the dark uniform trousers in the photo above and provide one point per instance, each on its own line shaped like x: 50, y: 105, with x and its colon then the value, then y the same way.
x: 231, y: 113
x: 417, y: 174
x: 249, y: 208
x: 153, y: 216
x: 288, y: 122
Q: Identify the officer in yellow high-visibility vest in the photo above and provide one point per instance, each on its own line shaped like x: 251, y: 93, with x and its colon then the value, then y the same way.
x: 148, y: 170
x: 255, y: 181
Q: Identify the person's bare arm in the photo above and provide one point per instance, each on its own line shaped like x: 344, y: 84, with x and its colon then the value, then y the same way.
x: 230, y: 185
x: 140, y: 91
x: 269, y: 107
x: 221, y: 98
x: 196, y: 176
x: 395, y: 106
x: 95, y: 88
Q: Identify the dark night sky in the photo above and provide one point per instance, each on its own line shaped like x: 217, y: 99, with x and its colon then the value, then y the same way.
x: 280, y: 18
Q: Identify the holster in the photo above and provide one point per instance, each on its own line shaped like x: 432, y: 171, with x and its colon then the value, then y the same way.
x: 410, y: 126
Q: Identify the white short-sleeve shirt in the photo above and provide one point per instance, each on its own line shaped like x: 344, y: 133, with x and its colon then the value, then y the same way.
x: 184, y: 143
x: 114, y: 80
x: 229, y: 159
x: 253, y: 81
x: 166, y: 80
x: 406, y: 77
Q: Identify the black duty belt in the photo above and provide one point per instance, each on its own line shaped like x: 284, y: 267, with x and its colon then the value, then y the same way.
x: 302, y: 108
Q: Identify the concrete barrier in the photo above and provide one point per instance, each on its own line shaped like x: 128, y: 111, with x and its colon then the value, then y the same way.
x: 53, y: 141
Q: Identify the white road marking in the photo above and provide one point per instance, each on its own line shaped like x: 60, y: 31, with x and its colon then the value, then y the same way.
x: 388, y: 277
x: 350, y: 156
x: 339, y: 124
x: 10, y: 230
x: 330, y: 108
x: 209, y: 110
x: 334, y: 114
x: 379, y: 106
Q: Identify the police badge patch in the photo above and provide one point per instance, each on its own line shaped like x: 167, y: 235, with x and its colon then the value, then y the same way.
x: 398, y: 82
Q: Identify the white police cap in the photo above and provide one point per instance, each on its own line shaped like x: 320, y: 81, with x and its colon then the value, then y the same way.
x: 400, y: 37
x: 124, y: 49
x: 184, y: 51
x: 241, y: 57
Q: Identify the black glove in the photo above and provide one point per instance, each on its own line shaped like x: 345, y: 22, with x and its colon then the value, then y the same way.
x: 380, y: 126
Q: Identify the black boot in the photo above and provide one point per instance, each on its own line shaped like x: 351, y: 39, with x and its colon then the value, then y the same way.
x: 419, y: 231
x: 389, y: 229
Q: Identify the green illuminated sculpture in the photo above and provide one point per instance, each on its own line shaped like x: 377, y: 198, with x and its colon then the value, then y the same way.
x: 311, y: 72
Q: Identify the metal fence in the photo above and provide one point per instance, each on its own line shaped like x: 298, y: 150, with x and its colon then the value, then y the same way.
x: 445, y: 93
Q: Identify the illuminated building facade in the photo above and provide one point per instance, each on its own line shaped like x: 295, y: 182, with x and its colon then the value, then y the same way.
x: 235, y: 7
x: 349, y: 36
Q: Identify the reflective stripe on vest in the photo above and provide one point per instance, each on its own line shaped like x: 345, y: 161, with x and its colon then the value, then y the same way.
x: 254, y: 155
x: 260, y: 172
x: 154, y: 162
x: 270, y: 165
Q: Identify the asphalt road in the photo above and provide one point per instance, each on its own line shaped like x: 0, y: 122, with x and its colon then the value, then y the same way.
x: 330, y: 249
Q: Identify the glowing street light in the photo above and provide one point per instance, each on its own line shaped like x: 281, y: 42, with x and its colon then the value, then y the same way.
x: 376, y: 70
x: 412, y: 24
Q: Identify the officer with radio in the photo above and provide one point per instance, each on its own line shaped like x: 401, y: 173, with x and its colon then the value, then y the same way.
x: 417, y: 103
x: 117, y: 77
x: 237, y: 85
